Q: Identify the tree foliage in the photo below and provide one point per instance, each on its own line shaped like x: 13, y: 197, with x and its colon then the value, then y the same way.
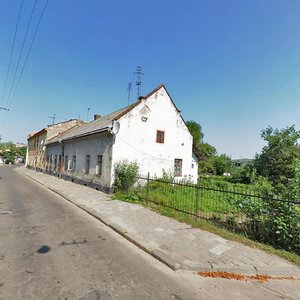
x: 206, y: 153
x: 222, y: 164
x: 9, y: 151
x: 196, y: 131
x: 278, y: 159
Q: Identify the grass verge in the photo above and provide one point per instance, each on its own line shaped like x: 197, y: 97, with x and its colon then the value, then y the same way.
x: 210, y: 227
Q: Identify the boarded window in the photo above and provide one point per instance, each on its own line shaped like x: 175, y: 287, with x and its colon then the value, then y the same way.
x: 74, y: 163
x: 66, y: 162
x: 87, y: 164
x: 99, y: 165
x: 178, y: 167
x: 160, y: 136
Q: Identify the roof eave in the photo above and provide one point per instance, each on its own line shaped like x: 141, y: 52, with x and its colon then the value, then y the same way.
x: 85, y: 134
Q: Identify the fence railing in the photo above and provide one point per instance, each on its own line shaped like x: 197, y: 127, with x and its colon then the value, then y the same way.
x: 242, y: 209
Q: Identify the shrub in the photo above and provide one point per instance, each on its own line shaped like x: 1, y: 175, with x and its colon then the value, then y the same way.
x: 125, y: 175
x: 275, y: 222
x: 167, y: 176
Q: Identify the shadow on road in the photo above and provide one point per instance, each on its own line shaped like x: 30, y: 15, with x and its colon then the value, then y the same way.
x: 43, y: 249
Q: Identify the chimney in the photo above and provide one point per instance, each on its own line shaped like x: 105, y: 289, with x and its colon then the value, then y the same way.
x: 96, y: 117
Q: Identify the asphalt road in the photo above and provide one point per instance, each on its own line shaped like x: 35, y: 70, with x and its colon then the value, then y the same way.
x: 50, y: 249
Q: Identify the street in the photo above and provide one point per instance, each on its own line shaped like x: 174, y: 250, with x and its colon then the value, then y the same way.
x: 50, y: 249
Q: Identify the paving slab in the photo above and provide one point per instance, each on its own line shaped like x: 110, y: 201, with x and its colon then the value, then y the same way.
x: 176, y: 244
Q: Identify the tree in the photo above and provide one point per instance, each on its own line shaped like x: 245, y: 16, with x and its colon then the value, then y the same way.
x: 9, y: 152
x: 279, y: 158
x: 22, y: 152
x: 206, y: 153
x: 196, y: 131
x: 222, y: 164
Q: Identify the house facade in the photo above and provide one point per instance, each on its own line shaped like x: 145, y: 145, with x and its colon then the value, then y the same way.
x: 36, y: 141
x: 150, y: 132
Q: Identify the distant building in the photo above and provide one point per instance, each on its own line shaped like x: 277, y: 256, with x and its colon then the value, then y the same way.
x: 36, y: 141
x: 20, y: 145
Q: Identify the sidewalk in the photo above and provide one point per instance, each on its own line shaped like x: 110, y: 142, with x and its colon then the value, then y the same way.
x: 176, y: 244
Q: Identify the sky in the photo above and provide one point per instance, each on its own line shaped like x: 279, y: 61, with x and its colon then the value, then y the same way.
x: 232, y: 66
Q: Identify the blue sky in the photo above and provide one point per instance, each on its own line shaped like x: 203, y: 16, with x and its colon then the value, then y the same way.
x: 233, y: 66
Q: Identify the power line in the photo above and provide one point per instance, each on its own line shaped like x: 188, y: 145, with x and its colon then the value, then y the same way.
x: 12, y: 51
x: 29, y: 50
x: 21, y: 52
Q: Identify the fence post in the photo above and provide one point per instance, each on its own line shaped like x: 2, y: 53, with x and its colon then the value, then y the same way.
x: 147, y: 193
x: 197, y: 199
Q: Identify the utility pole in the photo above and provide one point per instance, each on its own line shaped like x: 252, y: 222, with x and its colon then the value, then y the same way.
x: 138, y: 82
x: 53, y: 118
x: 87, y: 114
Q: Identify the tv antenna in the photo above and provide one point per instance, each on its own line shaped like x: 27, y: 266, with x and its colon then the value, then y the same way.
x: 138, y: 82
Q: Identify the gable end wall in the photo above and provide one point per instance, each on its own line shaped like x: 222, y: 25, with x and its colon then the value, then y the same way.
x: 136, y: 139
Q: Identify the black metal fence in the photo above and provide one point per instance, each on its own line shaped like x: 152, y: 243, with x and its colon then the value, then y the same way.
x: 240, y: 208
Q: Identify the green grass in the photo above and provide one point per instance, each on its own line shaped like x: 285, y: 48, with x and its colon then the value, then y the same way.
x: 184, y: 198
x: 138, y: 196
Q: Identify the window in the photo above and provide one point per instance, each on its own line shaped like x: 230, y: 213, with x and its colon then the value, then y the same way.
x: 50, y: 162
x: 59, y: 163
x: 178, y: 167
x: 66, y: 162
x: 99, y: 165
x: 74, y: 163
x: 160, y: 136
x: 55, y: 162
x: 47, y: 162
x: 87, y: 164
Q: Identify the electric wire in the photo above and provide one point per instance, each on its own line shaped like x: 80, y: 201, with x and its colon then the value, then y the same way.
x: 28, y: 53
x: 12, y: 51
x: 21, y: 52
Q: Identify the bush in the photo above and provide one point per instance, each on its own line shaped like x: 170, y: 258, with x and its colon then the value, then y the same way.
x: 125, y: 175
x: 275, y: 222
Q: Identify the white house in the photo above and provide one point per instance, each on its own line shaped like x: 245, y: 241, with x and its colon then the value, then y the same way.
x: 151, y: 132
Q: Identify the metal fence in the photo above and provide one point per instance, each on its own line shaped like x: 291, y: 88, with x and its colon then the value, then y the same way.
x: 238, y: 207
